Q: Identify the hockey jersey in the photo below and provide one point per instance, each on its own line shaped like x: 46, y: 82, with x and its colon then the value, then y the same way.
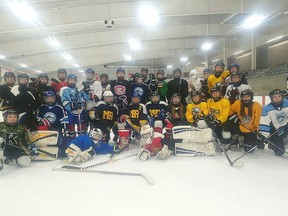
x: 141, y: 89
x: 212, y: 80
x: 103, y: 111
x: 251, y: 122
x: 94, y: 95
x: 194, y: 111
x: 137, y: 113
x: 233, y: 93
x: 5, y: 102
x: 121, y: 91
x: 153, y: 110
x: 219, y: 110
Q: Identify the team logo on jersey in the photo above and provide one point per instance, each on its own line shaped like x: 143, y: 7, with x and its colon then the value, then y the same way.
x: 214, y: 112
x: 246, y: 119
x: 139, y: 90
x: 120, y: 90
x: 196, y: 110
x: 280, y: 117
x: 51, y: 117
x: 11, y: 138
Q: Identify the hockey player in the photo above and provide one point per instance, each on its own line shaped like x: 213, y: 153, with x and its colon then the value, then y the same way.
x: 197, y: 109
x: 162, y: 85
x: 274, y: 118
x: 248, y: 113
x: 218, y: 77
x: 139, y: 87
x: 144, y: 72
x: 151, y: 143
x: 104, y: 79
x: 156, y: 109
x: 178, y: 85
x: 5, y: 103
x: 195, y: 82
x: 135, y: 117
x: 177, y: 110
x: 24, y: 101
x: 105, y: 115
x: 121, y: 91
x: 93, y: 88
x: 204, y: 83
x: 15, y: 141
x: 234, y: 90
x: 57, y: 85
x: 51, y: 115
x: 84, y: 147
x: 72, y: 100
x: 218, y: 111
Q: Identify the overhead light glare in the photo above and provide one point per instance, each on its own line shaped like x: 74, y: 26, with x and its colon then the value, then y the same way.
x: 53, y: 42
x: 76, y: 65
x: 149, y: 16
x: 67, y: 57
x: 2, y: 57
x: 134, y: 44
x: 81, y: 71
x: 38, y: 71
x: 274, y: 39
x: 169, y: 66
x: 241, y: 51
x: 22, y: 10
x: 183, y: 59
x: 207, y: 46
x: 188, y: 63
x: 23, y: 65
x: 128, y: 57
x: 253, y: 21
x: 216, y: 60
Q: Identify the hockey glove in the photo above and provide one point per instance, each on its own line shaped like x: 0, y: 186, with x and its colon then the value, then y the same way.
x: 260, y: 141
x: 33, y: 151
x: 144, y: 154
x: 209, y: 118
x: 87, y: 155
x: 122, y: 118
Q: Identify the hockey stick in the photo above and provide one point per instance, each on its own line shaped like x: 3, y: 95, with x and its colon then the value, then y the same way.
x: 55, y: 81
x: 267, y: 139
x: 79, y: 169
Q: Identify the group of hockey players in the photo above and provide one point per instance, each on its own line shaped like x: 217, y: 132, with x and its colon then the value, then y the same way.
x: 146, y: 108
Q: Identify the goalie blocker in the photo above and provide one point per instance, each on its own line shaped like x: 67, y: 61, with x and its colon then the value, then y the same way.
x: 192, y: 141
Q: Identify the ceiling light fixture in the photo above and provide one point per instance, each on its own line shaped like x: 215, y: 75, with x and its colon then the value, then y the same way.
x: 2, y: 57
x: 207, y: 46
x: 253, y: 21
x: 169, y: 66
x: 53, y: 42
x: 134, y: 44
x: 149, y: 16
x: 22, y: 10
x: 183, y: 59
x: 128, y: 57
x: 238, y: 52
x: 274, y: 39
x: 216, y: 60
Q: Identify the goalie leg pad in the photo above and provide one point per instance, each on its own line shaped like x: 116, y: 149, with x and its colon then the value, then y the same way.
x: 87, y: 155
x: 73, y: 152
x: 144, y: 154
x: 164, y: 153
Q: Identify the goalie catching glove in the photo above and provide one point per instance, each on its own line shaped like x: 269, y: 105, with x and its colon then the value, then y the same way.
x: 75, y: 154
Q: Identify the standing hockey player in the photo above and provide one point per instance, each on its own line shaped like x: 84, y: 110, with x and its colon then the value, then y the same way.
x: 51, y: 116
x: 15, y: 141
x: 5, y: 89
x: 195, y: 82
x: 204, y: 84
x: 72, y: 100
x: 57, y: 85
x: 274, y: 118
x: 218, y: 111
x: 219, y: 76
x: 162, y: 85
x: 24, y: 101
x: 93, y: 88
x: 196, y: 111
x: 151, y: 142
x: 156, y: 109
x: 104, y: 79
x: 234, y: 90
x: 121, y: 91
x: 139, y: 87
x: 179, y: 86
x: 248, y: 113
x: 105, y: 115
x: 84, y: 147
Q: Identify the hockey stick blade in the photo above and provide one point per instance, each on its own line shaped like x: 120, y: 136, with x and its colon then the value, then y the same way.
x: 147, y: 178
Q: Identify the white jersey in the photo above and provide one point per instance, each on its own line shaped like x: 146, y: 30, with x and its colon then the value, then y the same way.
x: 94, y: 95
x: 195, y: 84
x: 231, y: 89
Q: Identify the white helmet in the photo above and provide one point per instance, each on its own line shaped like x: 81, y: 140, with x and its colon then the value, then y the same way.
x: 147, y: 133
x: 194, y: 74
x: 108, y: 97
x: 95, y: 134
x: 108, y: 94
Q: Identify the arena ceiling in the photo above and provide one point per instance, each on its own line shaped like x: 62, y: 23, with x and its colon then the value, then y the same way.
x: 72, y: 34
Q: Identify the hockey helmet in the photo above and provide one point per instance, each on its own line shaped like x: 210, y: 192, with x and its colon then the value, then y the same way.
x: 9, y: 74
x: 144, y: 70
x: 139, y: 76
x: 102, y: 75
x: 62, y: 70
x: 108, y: 97
x: 120, y: 70
x: 207, y: 70
x: 90, y: 70
x: 221, y: 64
x: 8, y: 121
x: 71, y: 76
x: 95, y: 134
x: 247, y: 92
x: 43, y: 75
x: 194, y: 72
x: 147, y: 133
x: 233, y: 65
x: 49, y: 97
x: 195, y: 93
x: 276, y: 102
x: 155, y: 97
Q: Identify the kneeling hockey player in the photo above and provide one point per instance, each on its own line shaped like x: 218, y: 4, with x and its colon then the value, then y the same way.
x: 15, y: 141
x: 84, y: 147
x: 273, y: 119
x: 248, y: 113
x: 151, y: 142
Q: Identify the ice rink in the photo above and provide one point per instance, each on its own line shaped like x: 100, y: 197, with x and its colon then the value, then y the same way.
x: 183, y: 186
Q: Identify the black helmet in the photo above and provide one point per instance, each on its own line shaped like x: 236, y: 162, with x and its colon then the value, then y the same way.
x: 104, y: 75
x: 194, y: 93
x: 220, y: 64
x: 120, y: 70
x: 9, y: 74
x: 139, y: 76
x: 160, y: 71
x: 43, y: 75
x: 247, y: 92
x: 144, y: 70
x: 62, y: 70
x: 233, y: 65
x: 23, y: 75
x: 275, y: 92
x: 177, y: 70
x: 155, y: 93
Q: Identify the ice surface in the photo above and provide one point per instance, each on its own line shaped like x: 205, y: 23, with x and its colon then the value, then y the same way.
x: 183, y: 186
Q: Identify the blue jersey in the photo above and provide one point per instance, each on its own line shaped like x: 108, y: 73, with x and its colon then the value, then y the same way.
x: 141, y: 89
x: 278, y: 117
x: 54, y: 114
x: 72, y: 99
x: 84, y: 142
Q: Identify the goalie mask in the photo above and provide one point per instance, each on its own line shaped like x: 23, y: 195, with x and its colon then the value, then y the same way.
x: 95, y: 134
x: 147, y: 133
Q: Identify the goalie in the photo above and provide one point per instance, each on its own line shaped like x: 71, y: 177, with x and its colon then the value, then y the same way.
x: 151, y: 142
x: 84, y: 147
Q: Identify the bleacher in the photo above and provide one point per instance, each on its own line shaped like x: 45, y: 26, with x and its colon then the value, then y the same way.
x: 275, y: 70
